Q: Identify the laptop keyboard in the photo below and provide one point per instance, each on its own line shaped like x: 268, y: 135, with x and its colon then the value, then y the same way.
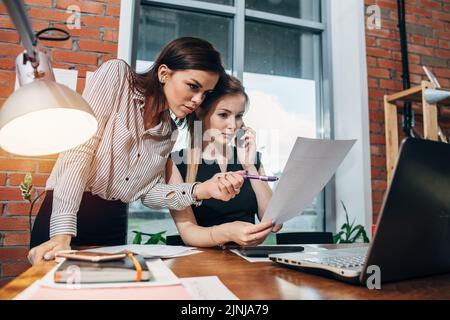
x: 340, y: 262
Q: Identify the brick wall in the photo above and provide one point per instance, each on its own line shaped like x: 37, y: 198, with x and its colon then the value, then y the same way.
x: 428, y: 27
x: 96, y: 42
x: 89, y: 46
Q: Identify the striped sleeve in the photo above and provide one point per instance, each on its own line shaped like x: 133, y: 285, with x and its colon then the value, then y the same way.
x: 160, y: 196
x: 74, y: 165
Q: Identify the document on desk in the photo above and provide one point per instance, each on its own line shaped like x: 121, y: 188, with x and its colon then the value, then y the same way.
x: 310, y: 166
x: 207, y: 288
x: 150, y: 250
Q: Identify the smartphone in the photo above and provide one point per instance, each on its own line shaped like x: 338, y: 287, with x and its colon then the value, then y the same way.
x: 91, y: 256
x: 264, y: 251
x: 239, y: 134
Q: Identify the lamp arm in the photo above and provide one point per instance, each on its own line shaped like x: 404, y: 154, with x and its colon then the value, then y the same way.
x: 19, y: 16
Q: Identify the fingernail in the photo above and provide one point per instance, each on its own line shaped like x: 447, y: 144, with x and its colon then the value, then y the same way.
x: 273, y: 222
x: 47, y: 256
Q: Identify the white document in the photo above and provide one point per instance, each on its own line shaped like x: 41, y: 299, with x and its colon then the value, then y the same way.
x: 310, y: 166
x: 207, y: 288
x: 149, y: 250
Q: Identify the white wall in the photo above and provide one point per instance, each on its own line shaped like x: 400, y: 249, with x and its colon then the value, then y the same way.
x: 351, y: 115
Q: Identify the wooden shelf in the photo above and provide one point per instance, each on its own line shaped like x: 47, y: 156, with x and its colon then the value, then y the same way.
x: 413, y: 94
x: 429, y: 113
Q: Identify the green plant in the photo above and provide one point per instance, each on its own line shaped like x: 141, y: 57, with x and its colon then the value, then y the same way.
x: 349, y: 232
x: 154, y: 238
x: 25, y: 187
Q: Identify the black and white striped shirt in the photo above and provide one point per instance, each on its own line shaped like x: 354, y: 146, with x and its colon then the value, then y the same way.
x: 122, y: 161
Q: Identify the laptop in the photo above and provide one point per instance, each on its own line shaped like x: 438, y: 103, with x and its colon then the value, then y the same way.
x: 412, y: 238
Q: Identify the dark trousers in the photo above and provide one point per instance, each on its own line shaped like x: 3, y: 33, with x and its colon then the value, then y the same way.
x: 99, y: 222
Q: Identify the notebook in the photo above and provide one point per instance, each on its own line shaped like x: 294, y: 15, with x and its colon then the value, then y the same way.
x: 413, y: 230
x: 131, y: 268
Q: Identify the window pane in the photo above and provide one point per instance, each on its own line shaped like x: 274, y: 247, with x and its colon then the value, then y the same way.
x: 303, y: 9
x: 278, y: 50
x: 158, y: 26
x: 226, y: 2
x: 279, y: 79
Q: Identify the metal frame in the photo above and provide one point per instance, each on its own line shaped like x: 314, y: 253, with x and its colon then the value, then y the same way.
x: 322, y: 67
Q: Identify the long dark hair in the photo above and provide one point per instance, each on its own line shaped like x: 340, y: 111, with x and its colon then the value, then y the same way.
x: 180, y: 54
x: 228, y: 86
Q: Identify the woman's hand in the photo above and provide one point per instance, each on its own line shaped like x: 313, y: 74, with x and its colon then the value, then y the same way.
x: 247, y: 150
x: 248, y: 234
x: 277, y: 228
x: 47, y: 250
x: 222, y: 186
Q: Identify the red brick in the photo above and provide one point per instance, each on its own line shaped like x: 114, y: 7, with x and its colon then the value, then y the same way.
x: 111, y: 35
x: 5, y: 22
x: 13, y: 224
x: 17, y: 165
x: 74, y: 57
x: 2, y: 179
x: 46, y: 166
x: 82, y: 69
x: 14, y: 269
x: 39, y: 3
x: 68, y: 44
x: 48, y: 14
x: 6, y: 91
x: 39, y: 180
x: 378, y: 73
x: 7, y: 76
x: 9, y: 36
x: 85, y: 6
x: 8, y: 63
x: 13, y: 254
x: 84, y: 32
x: 100, y: 21
x: 379, y: 185
x: 376, y: 52
x: 10, y: 194
x: 17, y: 239
x: 97, y: 46
x: 112, y: 10
x: 80, y: 85
x: 23, y: 208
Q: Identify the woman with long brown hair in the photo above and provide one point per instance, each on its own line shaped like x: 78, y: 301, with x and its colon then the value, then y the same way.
x: 90, y: 185
x: 217, y: 148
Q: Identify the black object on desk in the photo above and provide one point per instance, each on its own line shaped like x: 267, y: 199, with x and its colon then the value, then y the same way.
x: 264, y: 251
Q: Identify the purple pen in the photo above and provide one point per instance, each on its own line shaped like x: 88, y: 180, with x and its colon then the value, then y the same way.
x: 262, y: 178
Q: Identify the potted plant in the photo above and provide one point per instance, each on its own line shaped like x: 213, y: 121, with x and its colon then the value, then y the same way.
x: 154, y: 238
x: 349, y: 232
x: 25, y: 187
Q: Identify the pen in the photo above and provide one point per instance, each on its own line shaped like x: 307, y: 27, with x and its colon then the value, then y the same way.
x: 262, y: 178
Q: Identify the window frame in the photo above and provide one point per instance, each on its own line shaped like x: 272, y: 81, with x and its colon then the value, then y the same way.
x: 129, y: 23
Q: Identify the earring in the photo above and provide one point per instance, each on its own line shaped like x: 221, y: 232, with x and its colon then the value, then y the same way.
x: 163, y: 79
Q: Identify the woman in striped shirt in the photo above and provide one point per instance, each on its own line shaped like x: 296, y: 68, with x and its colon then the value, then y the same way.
x: 211, y: 152
x: 90, y: 185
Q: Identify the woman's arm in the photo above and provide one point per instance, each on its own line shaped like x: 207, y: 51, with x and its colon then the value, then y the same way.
x: 194, y: 235
x: 261, y: 188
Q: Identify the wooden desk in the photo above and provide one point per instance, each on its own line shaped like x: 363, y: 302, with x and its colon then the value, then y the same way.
x: 268, y: 281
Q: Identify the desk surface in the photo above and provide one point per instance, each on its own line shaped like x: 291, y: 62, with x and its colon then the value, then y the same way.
x: 268, y: 281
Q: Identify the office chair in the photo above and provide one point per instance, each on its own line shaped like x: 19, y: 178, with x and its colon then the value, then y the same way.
x: 304, y: 238
x: 174, y: 240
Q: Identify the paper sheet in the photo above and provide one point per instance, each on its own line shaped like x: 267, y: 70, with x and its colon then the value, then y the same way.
x: 149, y: 251
x: 207, y: 288
x: 310, y: 166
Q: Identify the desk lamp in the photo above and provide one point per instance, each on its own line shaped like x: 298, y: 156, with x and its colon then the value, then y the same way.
x: 42, y: 116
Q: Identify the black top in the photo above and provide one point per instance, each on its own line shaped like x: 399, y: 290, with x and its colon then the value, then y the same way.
x: 214, y: 212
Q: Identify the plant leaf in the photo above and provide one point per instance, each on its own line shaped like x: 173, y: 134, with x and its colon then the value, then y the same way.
x: 137, y: 238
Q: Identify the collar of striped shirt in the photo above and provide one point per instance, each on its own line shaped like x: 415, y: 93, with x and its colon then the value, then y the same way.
x: 162, y: 129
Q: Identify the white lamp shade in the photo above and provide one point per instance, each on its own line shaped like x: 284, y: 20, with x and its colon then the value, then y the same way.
x: 45, y: 117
